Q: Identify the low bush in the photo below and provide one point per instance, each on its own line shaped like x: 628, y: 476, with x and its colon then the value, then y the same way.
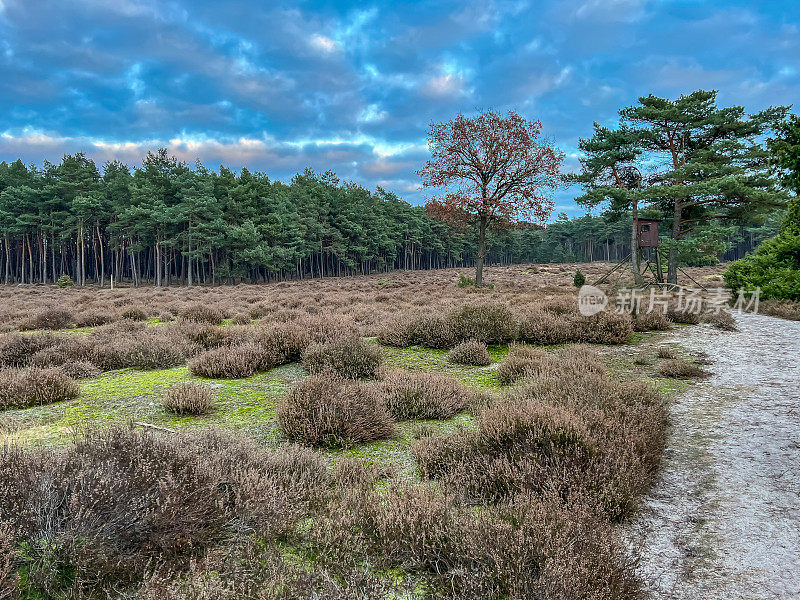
x: 118, y: 504
x: 201, y: 313
x: 188, y: 398
x: 720, y: 320
x: 667, y: 352
x: 227, y: 362
x: 80, y: 369
x: 681, y: 369
x: 241, y: 319
x: 64, y: 281
x: 487, y: 323
x: 524, y: 361
x: 544, y: 328
x: 471, y: 352
x: 93, y: 318
x: 651, y: 321
x: 16, y: 350
x: 50, y: 318
x: 577, y: 436
x: 329, y: 410
x: 579, y: 279
x: 35, y: 387
x: 604, y: 328
x: 350, y: 356
x: 784, y: 309
x: 422, y: 395
x: 133, y: 313
x: 465, y: 281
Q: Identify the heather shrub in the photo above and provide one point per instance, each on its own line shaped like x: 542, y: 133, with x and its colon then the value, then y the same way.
x: 522, y: 361
x: 544, y: 328
x: 350, y: 356
x: 603, y: 328
x: 188, y: 398
x: 80, y: 369
x: 434, y: 331
x: 16, y: 350
x: 688, y: 317
x: 133, y: 313
x: 125, y: 344
x: 783, y: 309
x: 651, y: 321
x: 422, y: 395
x: 201, y: 313
x: 35, y: 387
x: 241, y: 319
x: 227, y: 362
x: 398, y: 333
x: 681, y: 369
x: 470, y: 352
x: 8, y: 559
x: 205, y: 335
x: 667, y: 352
x: 92, y: 318
x: 329, y: 410
x: 577, y: 436
x: 721, y: 320
x: 488, y: 323
x: 119, y: 504
x: 49, y: 318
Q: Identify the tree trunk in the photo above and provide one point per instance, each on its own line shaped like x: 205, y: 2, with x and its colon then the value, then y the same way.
x: 637, y: 273
x: 672, y: 265
x: 481, y: 251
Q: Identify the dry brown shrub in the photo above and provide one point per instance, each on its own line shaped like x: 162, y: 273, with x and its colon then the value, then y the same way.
x: 543, y: 328
x: 188, y: 398
x: 651, y: 321
x: 241, y: 319
x: 604, y: 328
x: 80, y: 370
x: 523, y: 361
x: 94, y: 318
x: 134, y: 313
x: 667, y: 352
x: 470, y: 352
x: 328, y: 410
x: 721, y: 320
x: 50, y: 318
x: 227, y: 362
x: 201, y: 313
x: 9, y: 578
x: 16, y: 350
x: 350, y: 356
x: 681, y: 369
x: 488, y: 323
x: 422, y: 395
x: 119, y: 504
x: 783, y: 309
x: 35, y: 387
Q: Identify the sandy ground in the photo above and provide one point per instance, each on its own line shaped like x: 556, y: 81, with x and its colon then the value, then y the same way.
x: 724, y: 520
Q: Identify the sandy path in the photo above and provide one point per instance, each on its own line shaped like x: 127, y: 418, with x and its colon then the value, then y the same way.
x: 724, y: 520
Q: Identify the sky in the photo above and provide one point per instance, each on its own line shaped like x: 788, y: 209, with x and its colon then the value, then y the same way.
x: 352, y: 87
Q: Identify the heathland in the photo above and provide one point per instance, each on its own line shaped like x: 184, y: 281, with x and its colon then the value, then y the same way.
x: 366, y: 437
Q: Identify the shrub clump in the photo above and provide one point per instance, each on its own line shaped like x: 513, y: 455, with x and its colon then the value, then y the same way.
x: 134, y: 313
x: 80, y: 369
x: 487, y: 323
x: 329, y: 410
x: 201, y: 313
x: 50, y: 318
x: 35, y: 387
x: 117, y: 504
x: 188, y: 398
x: 422, y: 395
x: 471, y: 352
x: 227, y: 362
x: 681, y: 369
x: 350, y: 356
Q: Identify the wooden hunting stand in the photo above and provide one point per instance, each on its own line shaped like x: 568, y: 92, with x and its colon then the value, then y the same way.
x: 647, y: 244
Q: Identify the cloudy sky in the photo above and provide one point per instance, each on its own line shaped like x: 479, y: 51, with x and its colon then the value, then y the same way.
x: 352, y: 86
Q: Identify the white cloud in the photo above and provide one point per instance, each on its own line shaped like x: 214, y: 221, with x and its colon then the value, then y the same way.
x: 323, y: 43
x: 372, y: 114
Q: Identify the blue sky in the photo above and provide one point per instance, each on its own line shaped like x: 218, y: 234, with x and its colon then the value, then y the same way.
x: 352, y: 86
